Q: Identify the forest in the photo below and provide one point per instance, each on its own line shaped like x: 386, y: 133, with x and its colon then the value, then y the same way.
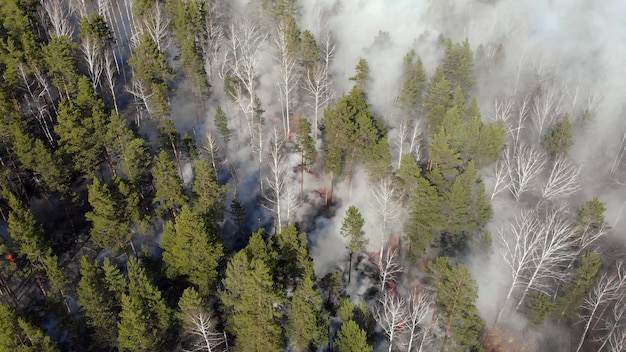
x: 329, y: 175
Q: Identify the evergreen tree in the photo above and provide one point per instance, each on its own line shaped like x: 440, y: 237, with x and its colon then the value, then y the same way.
x: 309, y: 52
x: 362, y: 75
x: 569, y: 303
x: 306, y: 143
x: 191, y: 250
x: 135, y: 160
x: 411, y: 96
x: 294, y: 263
x: 444, y: 156
x: 350, y: 338
x: 150, y: 67
x: 438, y: 100
x: 456, y: 298
x: 60, y: 55
x: 541, y: 307
x: 144, y: 318
x: 209, y: 195
x: 170, y: 194
x: 221, y: 122
x: 425, y: 218
x: 458, y: 66
x: 16, y: 334
x: 307, y: 325
x: 559, y: 139
x: 352, y: 228
x: 111, y: 226
x: 98, y: 302
x: 249, y: 301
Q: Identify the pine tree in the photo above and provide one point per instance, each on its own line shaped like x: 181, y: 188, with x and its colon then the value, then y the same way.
x: 170, y: 195
x: 352, y: 228
x: 209, y: 195
x: 221, y: 122
x: 98, y: 302
x: 60, y: 56
x: 16, y: 334
x: 350, y: 338
x: 307, y: 325
x: 309, y: 52
x: 541, y: 307
x: 191, y: 250
x: 362, y: 75
x: 456, y: 302
x: 111, y: 226
x: 294, y: 263
x: 444, y: 156
x: 568, y: 305
x: 249, y: 302
x: 411, y: 97
x: 145, y: 318
x: 135, y: 160
x: 458, y: 66
x: 559, y: 139
x: 438, y: 100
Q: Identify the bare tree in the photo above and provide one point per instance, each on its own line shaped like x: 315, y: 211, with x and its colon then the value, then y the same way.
x: 288, y: 80
x: 387, y: 201
x: 245, y: 42
x: 154, y: 22
x: 503, y: 109
x: 617, y: 342
x: 59, y: 13
x: 537, y: 249
x: 212, y: 43
x: 524, y: 163
x: 275, y: 181
x: 501, y: 180
x: 415, y: 141
x: 563, y: 181
x: 212, y: 148
x: 547, y: 106
x: 291, y: 200
x: 317, y: 87
x: 202, y: 333
x: 419, y: 306
x: 328, y: 52
x: 389, y: 268
x: 94, y: 57
x: 142, y: 95
x: 608, y: 289
x: 109, y: 74
x: 403, y: 132
x: 391, y: 315
x: 614, y: 323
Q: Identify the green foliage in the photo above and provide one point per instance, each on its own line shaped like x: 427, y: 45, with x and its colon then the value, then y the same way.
x: 411, y: 96
x: 458, y: 66
x: 26, y: 233
x: 144, y: 318
x: 307, y: 325
x: 109, y: 216
x: 238, y: 212
x: 96, y: 27
x: 591, y: 215
x: 456, y: 298
x: 424, y: 204
x: 99, y: 303
x: 350, y: 338
x: 294, y: 262
x: 346, y: 310
x: 187, y: 19
x: 569, y: 303
x: 150, y: 67
x: 541, y: 307
x: 306, y: 143
x: 362, y: 75
x: 438, y: 100
x: 353, y: 134
x: 309, y: 52
x: 221, y: 122
x: 352, y: 228
x: 136, y: 160
x: 192, y: 250
x: 559, y: 139
x: 60, y: 56
x: 170, y: 194
x: 249, y: 302
x: 209, y: 195
x: 17, y: 334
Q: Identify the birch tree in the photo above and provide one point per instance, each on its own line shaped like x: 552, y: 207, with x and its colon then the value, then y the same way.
x: 288, y: 81
x: 547, y: 107
x: 419, y: 316
x: 317, y: 88
x: 58, y: 12
x: 275, y: 182
x: 200, y: 327
x: 563, y: 181
x: 524, y: 163
x: 391, y: 315
x: 386, y: 200
x: 244, y: 44
x: 609, y: 287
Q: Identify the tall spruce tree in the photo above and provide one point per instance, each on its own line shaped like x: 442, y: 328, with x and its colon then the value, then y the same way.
x: 192, y: 250
x: 170, y: 194
x: 456, y: 302
x: 350, y: 338
x: 352, y: 228
x: 307, y: 325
